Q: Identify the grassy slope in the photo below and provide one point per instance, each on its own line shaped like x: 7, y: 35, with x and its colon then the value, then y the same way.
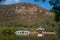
x: 9, y: 16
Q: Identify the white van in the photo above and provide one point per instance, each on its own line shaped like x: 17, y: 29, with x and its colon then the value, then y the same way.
x: 22, y: 32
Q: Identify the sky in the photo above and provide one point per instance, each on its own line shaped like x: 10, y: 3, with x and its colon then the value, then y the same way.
x: 45, y: 5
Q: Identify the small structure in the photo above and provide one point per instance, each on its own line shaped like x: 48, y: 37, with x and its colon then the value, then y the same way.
x: 22, y: 32
x: 40, y: 32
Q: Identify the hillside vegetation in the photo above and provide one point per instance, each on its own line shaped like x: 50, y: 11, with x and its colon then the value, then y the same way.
x: 26, y: 15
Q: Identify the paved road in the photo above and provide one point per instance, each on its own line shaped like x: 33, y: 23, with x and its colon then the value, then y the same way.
x: 45, y: 37
x: 43, y: 32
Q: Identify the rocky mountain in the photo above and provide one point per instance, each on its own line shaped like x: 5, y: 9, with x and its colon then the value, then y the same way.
x: 24, y: 14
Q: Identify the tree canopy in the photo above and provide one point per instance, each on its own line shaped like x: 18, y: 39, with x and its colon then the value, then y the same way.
x: 2, y: 0
x: 56, y: 8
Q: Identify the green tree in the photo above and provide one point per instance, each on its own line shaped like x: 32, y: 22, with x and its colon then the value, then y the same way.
x: 56, y: 8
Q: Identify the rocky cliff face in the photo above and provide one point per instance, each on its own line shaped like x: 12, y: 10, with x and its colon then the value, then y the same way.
x: 23, y: 13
